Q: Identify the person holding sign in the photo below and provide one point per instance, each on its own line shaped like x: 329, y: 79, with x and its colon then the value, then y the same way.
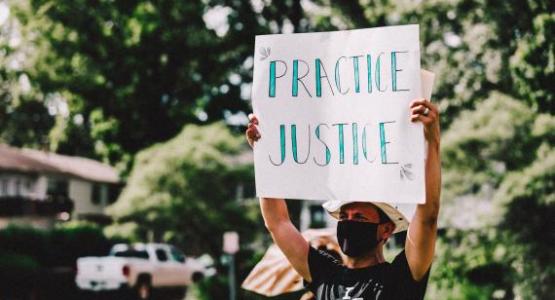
x: 363, y: 229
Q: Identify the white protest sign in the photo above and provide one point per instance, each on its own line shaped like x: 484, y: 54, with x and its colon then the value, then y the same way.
x: 334, y: 115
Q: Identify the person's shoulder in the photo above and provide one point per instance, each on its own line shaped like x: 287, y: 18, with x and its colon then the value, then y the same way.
x: 401, y: 268
x: 395, y: 266
x: 322, y: 265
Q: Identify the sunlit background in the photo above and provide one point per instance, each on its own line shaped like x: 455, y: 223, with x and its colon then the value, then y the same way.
x: 122, y: 122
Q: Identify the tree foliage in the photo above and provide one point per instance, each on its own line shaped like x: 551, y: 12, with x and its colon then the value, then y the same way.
x: 499, y: 158
x: 124, y: 75
x: 533, y: 64
x: 24, y: 116
x: 134, y: 71
x: 184, y: 190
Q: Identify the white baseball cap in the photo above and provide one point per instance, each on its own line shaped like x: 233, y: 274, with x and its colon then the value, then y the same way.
x: 333, y: 207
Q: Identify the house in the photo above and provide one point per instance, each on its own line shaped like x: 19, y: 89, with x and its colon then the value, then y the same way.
x: 40, y: 188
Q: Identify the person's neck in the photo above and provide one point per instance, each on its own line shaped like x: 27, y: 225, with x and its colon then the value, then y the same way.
x: 370, y: 259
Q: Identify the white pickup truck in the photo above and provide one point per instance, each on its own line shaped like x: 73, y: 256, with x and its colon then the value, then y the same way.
x: 140, y: 268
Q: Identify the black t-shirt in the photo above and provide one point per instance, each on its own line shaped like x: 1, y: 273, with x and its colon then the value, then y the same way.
x: 333, y: 281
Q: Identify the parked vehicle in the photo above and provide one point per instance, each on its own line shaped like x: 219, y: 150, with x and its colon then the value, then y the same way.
x: 140, y: 268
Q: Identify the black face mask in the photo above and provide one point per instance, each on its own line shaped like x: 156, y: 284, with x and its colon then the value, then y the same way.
x: 357, y: 238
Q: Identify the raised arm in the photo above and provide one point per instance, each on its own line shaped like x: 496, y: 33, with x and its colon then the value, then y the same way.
x: 277, y: 221
x: 422, y: 232
x: 285, y: 234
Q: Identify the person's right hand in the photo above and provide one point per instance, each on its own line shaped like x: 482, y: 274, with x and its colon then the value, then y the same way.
x: 252, y: 131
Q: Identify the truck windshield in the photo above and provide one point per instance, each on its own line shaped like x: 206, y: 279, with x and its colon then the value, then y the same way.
x: 132, y: 253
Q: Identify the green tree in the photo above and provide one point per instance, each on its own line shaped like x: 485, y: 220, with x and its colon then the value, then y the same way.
x: 144, y: 67
x: 533, y: 64
x: 499, y: 157
x: 25, y: 119
x: 184, y: 191
x: 527, y: 201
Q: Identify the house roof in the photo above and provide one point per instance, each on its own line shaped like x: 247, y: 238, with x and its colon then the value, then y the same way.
x: 36, y: 161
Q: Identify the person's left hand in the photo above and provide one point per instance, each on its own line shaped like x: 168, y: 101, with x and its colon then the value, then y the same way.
x: 426, y: 112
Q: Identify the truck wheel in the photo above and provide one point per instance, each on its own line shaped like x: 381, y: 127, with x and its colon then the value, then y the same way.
x: 143, y: 289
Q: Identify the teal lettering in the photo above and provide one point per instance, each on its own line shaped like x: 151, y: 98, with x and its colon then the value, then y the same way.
x: 394, y: 71
x: 356, y: 72
x: 378, y: 73
x: 365, y: 145
x: 383, y: 143
x: 355, y: 143
x: 338, y: 76
x: 294, y: 144
x: 369, y: 70
x: 319, y: 67
x: 282, y: 146
x: 297, y: 79
x: 328, y: 152
x: 295, y: 85
x: 341, y: 142
x: 273, y: 77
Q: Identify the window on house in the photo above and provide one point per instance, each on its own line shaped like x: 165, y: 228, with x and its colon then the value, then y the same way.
x: 99, y: 194
x: 29, y: 185
x: 57, y: 187
x: 95, y: 193
x: 4, y: 187
x: 18, y: 187
x: 113, y: 192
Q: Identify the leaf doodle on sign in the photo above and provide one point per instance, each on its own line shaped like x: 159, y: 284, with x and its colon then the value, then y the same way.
x: 405, y: 172
x: 265, y: 52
